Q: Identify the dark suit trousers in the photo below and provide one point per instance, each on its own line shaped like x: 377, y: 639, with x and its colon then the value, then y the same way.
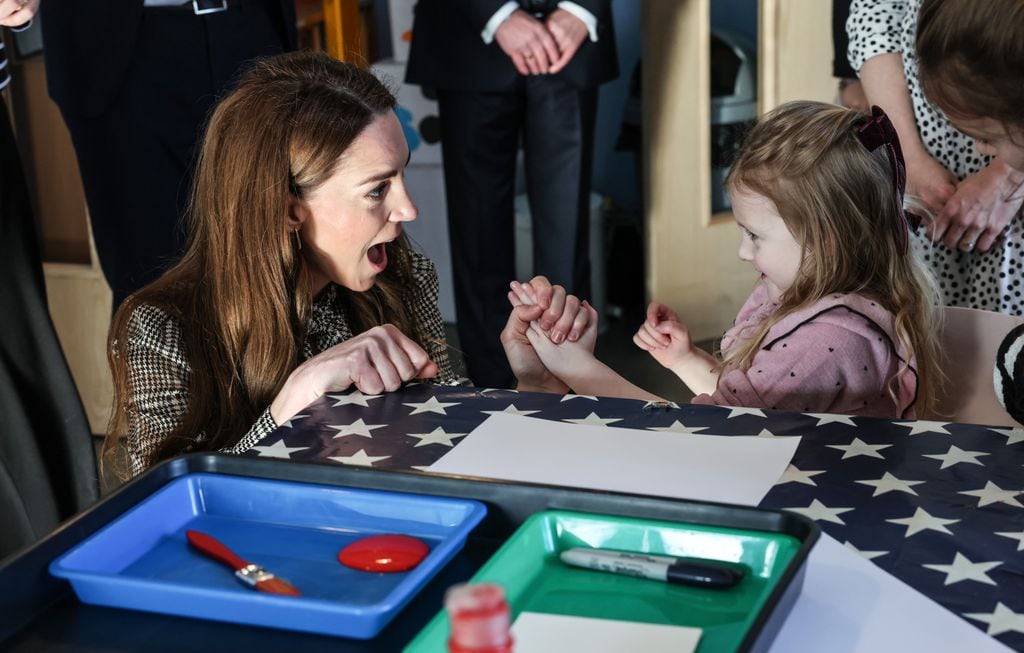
x: 47, y: 468
x: 480, y: 134
x: 136, y: 158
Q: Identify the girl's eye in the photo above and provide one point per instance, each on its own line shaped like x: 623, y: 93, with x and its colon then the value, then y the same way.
x: 378, y: 192
x: 749, y: 234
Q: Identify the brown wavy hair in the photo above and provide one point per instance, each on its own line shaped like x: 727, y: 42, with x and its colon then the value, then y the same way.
x: 971, y: 57
x: 839, y: 201
x: 241, y: 292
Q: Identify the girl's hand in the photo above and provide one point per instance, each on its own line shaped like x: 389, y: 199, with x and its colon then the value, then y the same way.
x: 527, y: 366
x: 569, y: 359
x: 664, y: 336
x: 980, y: 209
x: 930, y: 182
x: 375, y: 361
x: 560, y: 314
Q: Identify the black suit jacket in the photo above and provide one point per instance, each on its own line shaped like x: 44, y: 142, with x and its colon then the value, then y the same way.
x: 447, y: 51
x: 88, y: 46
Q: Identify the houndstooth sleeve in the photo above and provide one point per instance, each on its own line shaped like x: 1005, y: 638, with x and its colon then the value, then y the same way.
x: 875, y: 27
x: 426, y: 313
x: 158, y: 377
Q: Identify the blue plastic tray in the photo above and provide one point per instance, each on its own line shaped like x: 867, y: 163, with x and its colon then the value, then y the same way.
x: 142, y: 561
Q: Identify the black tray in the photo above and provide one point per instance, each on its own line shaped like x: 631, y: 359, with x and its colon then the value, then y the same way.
x: 41, y: 613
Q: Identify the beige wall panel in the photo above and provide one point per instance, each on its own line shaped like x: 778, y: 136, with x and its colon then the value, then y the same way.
x: 795, y: 52
x: 51, y: 169
x: 79, y: 300
x: 691, y: 261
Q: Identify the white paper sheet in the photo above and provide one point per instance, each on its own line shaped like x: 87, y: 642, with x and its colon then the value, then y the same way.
x: 534, y: 632
x: 850, y: 605
x: 729, y: 469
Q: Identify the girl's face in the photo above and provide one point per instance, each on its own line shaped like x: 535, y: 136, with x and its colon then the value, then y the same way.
x: 345, y: 223
x: 991, y: 138
x: 767, y: 243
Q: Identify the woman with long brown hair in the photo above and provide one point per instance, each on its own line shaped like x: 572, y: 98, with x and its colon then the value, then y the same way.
x: 297, y: 279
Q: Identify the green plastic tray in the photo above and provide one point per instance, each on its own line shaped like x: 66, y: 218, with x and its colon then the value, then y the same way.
x: 535, y: 580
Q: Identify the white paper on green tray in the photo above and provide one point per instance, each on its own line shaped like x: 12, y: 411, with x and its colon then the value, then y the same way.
x: 728, y: 469
x: 534, y: 632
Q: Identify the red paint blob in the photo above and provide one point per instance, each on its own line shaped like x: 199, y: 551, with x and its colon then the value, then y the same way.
x: 384, y: 553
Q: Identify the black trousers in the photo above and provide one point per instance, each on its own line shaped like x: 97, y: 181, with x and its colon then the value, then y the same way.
x: 480, y: 135
x: 136, y: 158
x: 47, y: 467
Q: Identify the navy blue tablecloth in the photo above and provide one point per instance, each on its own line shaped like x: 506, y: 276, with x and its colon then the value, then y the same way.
x: 938, y: 505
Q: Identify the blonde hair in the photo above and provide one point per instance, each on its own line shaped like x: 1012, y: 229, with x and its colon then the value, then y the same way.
x: 839, y: 202
x: 242, y: 291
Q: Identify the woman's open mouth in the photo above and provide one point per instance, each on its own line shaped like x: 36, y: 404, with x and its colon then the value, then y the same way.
x: 378, y: 256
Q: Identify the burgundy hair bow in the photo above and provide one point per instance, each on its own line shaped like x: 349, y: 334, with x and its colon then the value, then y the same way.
x: 877, y: 132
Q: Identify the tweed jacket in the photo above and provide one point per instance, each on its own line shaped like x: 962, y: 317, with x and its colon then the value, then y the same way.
x: 158, y: 374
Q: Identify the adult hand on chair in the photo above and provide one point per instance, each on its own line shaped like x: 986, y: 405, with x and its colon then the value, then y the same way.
x: 14, y: 13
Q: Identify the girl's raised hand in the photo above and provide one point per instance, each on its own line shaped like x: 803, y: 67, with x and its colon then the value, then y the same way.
x: 664, y: 336
x: 378, y: 360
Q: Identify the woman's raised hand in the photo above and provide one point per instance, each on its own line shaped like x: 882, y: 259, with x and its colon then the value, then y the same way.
x: 560, y: 315
x: 378, y: 360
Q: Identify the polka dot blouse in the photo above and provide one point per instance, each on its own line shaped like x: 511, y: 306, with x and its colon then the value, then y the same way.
x: 990, y: 281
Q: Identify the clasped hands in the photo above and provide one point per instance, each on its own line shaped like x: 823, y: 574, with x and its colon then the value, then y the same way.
x: 970, y: 214
x: 540, y: 47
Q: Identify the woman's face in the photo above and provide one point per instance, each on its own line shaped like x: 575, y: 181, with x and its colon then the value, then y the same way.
x: 991, y: 138
x: 345, y: 223
x: 767, y: 243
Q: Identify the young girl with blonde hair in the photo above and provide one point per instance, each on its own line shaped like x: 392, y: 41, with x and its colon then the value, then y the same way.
x: 842, y: 317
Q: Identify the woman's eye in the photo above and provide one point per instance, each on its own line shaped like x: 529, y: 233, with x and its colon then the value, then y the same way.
x: 378, y: 192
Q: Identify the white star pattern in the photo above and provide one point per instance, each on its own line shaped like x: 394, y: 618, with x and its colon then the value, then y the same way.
x: 293, y: 418
x: 278, y: 450
x: 992, y: 493
x: 964, y: 569
x: 431, y: 405
x: 794, y: 475
x: 923, y: 426
x: 889, y: 483
x: 593, y: 420
x: 572, y: 396
x: 829, y: 418
x: 1015, y: 536
x: 511, y: 410
x: 359, y: 458
x: 820, y: 512
x: 922, y: 521
x: 437, y: 436
x: 354, y: 398
x: 1013, y: 436
x: 358, y: 427
x: 956, y: 455
x: 677, y: 427
x: 860, y: 448
x: 737, y: 411
x: 1001, y: 620
x: 868, y: 555
x: 765, y: 433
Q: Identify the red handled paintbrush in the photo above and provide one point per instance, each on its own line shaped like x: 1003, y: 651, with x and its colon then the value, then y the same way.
x: 249, y: 573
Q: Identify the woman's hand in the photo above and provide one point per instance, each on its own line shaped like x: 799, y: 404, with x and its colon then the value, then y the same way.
x: 562, y: 316
x: 980, y: 209
x: 664, y: 336
x: 375, y: 361
x: 930, y: 182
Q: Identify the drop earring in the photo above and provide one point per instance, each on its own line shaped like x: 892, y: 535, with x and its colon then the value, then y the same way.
x: 298, y: 241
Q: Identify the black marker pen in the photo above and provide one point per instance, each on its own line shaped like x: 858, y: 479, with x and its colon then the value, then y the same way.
x: 686, y: 571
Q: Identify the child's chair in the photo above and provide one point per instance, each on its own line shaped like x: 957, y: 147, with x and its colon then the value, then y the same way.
x: 969, y: 341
